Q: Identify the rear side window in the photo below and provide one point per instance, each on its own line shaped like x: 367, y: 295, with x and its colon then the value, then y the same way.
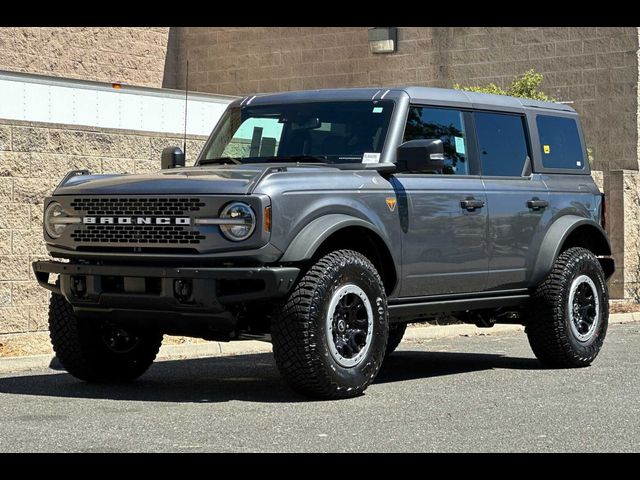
x: 502, y: 142
x: 560, y: 142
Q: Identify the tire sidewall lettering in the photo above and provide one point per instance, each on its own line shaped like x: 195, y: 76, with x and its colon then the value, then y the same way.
x: 352, y: 272
x: 582, y: 267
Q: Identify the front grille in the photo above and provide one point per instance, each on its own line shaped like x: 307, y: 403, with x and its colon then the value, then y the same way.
x: 132, y: 234
x: 136, y: 206
x: 159, y: 234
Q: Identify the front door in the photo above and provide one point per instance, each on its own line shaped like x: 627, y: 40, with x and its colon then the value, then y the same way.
x: 444, y: 222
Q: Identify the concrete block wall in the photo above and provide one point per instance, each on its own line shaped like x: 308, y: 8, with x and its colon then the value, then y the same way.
x: 623, y: 226
x: 134, y: 55
x: 33, y: 159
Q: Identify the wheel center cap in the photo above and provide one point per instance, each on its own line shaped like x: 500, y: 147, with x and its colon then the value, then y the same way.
x: 341, y: 326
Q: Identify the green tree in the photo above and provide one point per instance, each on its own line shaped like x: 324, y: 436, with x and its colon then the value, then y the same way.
x: 523, y: 86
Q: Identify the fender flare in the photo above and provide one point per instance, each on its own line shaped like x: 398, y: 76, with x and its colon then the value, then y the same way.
x: 554, y: 240
x: 308, y: 240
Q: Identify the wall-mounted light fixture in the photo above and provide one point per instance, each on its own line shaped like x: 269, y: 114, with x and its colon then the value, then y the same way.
x: 383, y: 39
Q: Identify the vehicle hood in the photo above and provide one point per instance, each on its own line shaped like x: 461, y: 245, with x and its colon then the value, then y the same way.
x: 210, y: 179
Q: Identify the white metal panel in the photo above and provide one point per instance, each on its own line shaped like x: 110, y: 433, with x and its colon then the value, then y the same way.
x: 74, y: 102
x: 84, y: 108
x: 11, y: 100
x: 194, y: 117
x: 36, y: 103
x: 152, y: 109
x: 107, y: 109
x: 130, y: 111
x: 173, y: 114
x: 211, y: 113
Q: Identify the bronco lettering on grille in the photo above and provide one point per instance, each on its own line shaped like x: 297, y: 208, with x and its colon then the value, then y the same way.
x: 136, y: 220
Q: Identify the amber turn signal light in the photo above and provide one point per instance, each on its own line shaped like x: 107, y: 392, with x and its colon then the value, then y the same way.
x: 267, y: 219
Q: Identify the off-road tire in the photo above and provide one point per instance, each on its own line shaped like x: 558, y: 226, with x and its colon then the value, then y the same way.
x: 396, y: 332
x: 551, y: 337
x: 299, y: 332
x: 83, y: 353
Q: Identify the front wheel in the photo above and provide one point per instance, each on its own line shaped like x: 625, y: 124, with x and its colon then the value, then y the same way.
x: 97, y: 351
x: 330, y: 337
x: 569, y: 313
x: 396, y: 332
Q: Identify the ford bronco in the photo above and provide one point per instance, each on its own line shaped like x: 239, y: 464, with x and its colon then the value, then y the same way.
x: 324, y: 221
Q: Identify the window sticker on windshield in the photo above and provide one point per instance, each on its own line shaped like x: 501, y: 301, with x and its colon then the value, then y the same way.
x: 547, y: 149
x: 460, y: 145
x: 377, y: 109
x: 370, y: 158
x: 579, y: 163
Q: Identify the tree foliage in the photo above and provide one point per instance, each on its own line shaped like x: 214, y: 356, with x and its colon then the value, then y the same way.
x: 523, y: 86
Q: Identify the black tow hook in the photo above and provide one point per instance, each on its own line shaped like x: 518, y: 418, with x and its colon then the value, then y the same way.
x: 78, y: 286
x: 183, y: 289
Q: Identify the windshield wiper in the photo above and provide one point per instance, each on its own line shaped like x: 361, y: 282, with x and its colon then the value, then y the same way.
x: 275, y: 159
x: 206, y: 161
x: 300, y: 158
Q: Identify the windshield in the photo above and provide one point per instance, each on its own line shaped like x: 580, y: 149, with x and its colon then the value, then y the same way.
x: 332, y: 132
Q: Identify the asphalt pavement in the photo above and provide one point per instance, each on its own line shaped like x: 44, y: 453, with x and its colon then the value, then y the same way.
x: 465, y: 393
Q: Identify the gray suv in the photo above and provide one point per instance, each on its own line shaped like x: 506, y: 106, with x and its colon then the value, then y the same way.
x: 324, y: 221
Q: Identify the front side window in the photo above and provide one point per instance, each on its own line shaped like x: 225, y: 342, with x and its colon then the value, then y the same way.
x: 560, y: 142
x: 448, y: 126
x: 333, y: 132
x: 502, y: 143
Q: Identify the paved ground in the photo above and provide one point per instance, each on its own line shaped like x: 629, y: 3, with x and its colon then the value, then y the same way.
x: 448, y: 394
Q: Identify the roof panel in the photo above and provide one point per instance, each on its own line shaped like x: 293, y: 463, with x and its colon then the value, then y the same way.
x: 435, y: 96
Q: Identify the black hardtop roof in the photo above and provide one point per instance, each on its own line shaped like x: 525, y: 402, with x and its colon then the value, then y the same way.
x: 427, y: 95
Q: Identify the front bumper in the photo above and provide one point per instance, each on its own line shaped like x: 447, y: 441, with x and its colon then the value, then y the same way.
x: 186, y: 291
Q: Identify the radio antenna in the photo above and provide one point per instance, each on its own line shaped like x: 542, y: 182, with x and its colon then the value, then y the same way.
x: 186, y: 101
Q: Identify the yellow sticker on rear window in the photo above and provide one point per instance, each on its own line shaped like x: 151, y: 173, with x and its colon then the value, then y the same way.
x: 547, y: 149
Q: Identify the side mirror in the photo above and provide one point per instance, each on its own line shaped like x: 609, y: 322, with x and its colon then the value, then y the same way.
x: 172, y: 157
x: 420, y: 155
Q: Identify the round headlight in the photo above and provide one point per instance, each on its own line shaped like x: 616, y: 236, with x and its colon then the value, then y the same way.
x: 56, y: 220
x: 242, y: 221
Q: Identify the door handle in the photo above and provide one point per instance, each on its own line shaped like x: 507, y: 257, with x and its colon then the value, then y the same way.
x: 536, y: 204
x: 470, y: 204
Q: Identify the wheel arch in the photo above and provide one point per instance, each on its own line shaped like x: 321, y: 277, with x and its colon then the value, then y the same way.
x: 340, y: 231
x: 572, y: 231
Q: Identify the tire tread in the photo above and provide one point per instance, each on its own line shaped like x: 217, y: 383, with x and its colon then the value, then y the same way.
x: 546, y: 327
x: 78, y: 352
x: 293, y: 330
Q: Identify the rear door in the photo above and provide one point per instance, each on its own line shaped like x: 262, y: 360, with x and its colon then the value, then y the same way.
x: 517, y: 200
x: 444, y: 243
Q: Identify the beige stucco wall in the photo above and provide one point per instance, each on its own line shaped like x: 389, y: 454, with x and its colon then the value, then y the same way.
x: 33, y: 159
x: 134, y: 55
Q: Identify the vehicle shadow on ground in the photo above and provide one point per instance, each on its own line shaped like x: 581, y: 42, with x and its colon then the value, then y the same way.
x: 411, y: 365
x: 245, y: 378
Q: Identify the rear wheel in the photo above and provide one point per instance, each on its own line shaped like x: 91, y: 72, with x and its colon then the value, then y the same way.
x: 568, y: 317
x: 98, y: 351
x: 330, y: 337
